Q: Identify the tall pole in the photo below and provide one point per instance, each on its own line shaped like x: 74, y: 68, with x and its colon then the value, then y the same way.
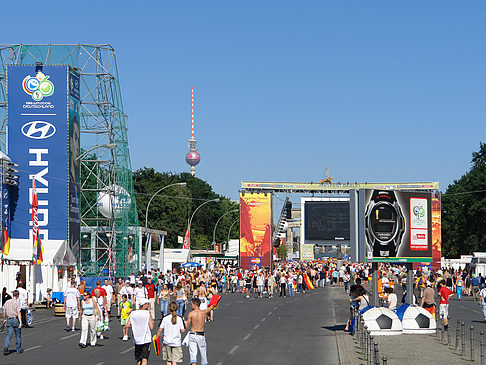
x: 192, y: 216
x: 229, y: 231
x: 214, y: 231
x: 183, y: 184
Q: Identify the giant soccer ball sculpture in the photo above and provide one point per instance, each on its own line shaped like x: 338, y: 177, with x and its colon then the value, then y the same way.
x: 381, y: 321
x: 416, y: 319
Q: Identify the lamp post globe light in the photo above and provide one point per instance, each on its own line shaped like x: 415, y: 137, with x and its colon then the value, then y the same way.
x: 192, y: 216
x: 216, y: 225
x: 182, y: 184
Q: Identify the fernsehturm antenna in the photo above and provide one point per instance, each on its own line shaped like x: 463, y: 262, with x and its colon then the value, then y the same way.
x: 193, y: 157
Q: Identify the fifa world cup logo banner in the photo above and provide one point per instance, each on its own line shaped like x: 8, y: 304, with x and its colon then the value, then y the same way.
x: 255, y: 230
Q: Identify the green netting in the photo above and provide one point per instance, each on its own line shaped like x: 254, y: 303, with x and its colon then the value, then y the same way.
x: 107, y: 244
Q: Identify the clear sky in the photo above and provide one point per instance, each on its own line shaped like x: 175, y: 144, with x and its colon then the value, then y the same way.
x: 378, y: 91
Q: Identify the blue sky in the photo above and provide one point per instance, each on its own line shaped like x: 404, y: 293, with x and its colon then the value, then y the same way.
x: 378, y: 91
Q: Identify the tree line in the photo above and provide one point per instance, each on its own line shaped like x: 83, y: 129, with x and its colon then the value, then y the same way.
x: 464, y: 210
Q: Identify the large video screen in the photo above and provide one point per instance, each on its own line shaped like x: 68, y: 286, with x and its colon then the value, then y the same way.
x: 327, y: 221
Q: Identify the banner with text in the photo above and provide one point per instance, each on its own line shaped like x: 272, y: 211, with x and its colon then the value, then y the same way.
x: 255, y: 230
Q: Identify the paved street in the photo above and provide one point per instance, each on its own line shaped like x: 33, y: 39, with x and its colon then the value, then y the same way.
x: 259, y: 331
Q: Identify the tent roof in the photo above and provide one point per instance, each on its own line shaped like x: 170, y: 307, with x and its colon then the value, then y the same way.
x: 64, y: 256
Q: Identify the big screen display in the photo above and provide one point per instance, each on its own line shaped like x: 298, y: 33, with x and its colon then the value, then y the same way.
x: 326, y: 220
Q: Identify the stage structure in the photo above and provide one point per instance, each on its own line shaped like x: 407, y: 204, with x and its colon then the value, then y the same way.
x: 109, y: 237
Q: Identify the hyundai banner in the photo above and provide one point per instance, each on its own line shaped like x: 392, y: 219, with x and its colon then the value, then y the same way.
x: 43, y: 138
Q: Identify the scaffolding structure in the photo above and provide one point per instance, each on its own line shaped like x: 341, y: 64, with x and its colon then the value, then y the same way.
x: 108, y: 244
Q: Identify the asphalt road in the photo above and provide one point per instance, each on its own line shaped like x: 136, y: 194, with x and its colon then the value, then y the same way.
x: 297, y: 330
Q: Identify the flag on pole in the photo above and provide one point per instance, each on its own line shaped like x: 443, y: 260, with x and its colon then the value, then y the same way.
x: 5, y: 243
x: 185, y: 245
x: 38, y: 249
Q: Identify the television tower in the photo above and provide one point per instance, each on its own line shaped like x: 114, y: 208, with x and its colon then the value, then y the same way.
x: 193, y: 157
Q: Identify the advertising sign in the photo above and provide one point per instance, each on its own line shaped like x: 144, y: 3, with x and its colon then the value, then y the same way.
x: 398, y: 226
x: 436, y: 232
x: 307, y: 252
x: 270, y: 186
x: 43, y: 138
x: 255, y: 230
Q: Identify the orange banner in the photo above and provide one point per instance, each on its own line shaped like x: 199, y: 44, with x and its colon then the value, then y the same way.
x: 255, y: 230
x: 436, y: 232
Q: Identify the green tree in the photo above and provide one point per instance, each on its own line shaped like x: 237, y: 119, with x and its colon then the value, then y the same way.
x: 464, y: 210
x: 172, y: 208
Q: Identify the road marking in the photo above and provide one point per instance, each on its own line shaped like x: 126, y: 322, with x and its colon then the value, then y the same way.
x: 274, y: 308
x: 232, y: 351
x: 247, y: 336
x: 219, y: 363
x: 33, y: 348
x: 269, y: 313
x: 44, y: 320
x: 263, y: 319
x: 74, y: 334
x: 100, y: 363
x: 127, y: 350
x: 256, y: 326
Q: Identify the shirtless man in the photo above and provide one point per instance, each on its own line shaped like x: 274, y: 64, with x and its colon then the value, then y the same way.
x: 195, y: 321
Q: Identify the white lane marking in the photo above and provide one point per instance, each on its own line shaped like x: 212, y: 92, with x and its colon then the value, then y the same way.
x: 274, y: 308
x: 247, y: 336
x: 74, y: 334
x: 33, y: 348
x: 45, y: 320
x: 269, y: 313
x: 219, y: 363
x: 127, y: 350
x: 256, y: 326
x: 100, y: 363
x: 263, y: 319
x: 232, y: 351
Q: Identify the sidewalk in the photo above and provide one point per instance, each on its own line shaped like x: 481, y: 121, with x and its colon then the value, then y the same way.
x: 402, y: 349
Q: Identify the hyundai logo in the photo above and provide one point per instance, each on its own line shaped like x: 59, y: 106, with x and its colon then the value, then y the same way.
x: 38, y: 129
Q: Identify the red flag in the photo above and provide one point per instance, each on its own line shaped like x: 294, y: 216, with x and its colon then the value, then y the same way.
x: 185, y: 245
x: 38, y: 249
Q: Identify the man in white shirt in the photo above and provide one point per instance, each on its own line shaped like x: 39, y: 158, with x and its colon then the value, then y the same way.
x: 140, y: 292
x: 392, y: 298
x: 24, y: 305
x: 109, y: 294
x: 141, y: 323
x: 72, y: 305
x: 128, y: 290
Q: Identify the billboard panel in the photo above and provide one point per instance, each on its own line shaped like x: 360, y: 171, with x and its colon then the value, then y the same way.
x: 325, y: 220
x: 284, y: 186
x: 436, y: 232
x: 38, y: 140
x: 398, y: 226
x: 255, y: 230
x: 307, y: 252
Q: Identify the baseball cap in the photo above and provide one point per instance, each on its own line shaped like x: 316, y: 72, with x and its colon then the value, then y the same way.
x: 143, y: 301
x: 127, y: 281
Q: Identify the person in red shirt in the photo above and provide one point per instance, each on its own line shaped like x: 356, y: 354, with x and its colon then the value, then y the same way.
x: 98, y: 286
x: 444, y: 293
x: 151, y: 296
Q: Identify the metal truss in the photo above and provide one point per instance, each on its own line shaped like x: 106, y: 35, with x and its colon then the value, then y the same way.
x: 105, y: 242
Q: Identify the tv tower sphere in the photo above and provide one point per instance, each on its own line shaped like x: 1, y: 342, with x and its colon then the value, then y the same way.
x: 193, y: 158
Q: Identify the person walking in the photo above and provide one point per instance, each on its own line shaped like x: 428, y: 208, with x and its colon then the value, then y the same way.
x: 150, y: 287
x: 197, y: 339
x: 172, y: 327
x: 125, y: 308
x: 163, y: 300
x: 283, y: 284
x: 140, y: 292
x: 141, y: 323
x: 482, y: 301
x: 72, y: 305
x: 271, y: 285
x: 12, y: 319
x: 24, y: 303
x: 459, y: 284
x: 180, y: 297
x: 89, y: 311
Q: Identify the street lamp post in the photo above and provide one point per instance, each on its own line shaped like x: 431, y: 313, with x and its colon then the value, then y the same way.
x: 192, y: 216
x: 229, y: 231
x: 183, y: 184
x: 216, y: 225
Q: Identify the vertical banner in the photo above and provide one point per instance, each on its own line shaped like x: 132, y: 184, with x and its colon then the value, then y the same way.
x: 436, y: 232
x: 5, y: 243
x: 74, y: 178
x: 38, y: 256
x: 185, y: 244
x: 255, y: 230
x: 38, y: 140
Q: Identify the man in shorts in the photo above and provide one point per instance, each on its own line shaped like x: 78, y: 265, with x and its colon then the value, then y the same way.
x: 72, y: 305
x: 142, y: 323
x: 125, y: 308
x: 197, y: 340
x: 444, y: 294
